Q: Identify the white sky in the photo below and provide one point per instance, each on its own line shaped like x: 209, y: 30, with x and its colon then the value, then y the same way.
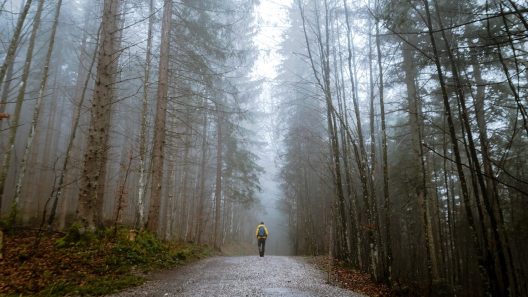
x: 272, y: 20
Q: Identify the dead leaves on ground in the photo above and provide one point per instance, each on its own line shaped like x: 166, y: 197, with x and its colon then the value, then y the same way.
x: 351, y: 279
x: 26, y: 270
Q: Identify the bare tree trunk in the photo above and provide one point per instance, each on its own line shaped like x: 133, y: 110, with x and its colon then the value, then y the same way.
x: 4, y: 98
x: 362, y: 160
x: 13, y: 44
x: 171, y: 188
x: 386, y: 203
x: 36, y: 112
x: 200, y: 217
x: 515, y: 93
x: 218, y: 184
x: 95, y: 156
x: 486, y: 274
x: 491, y: 182
x: 140, y: 217
x: 323, y: 81
x: 184, y: 196
x: 6, y: 164
x: 159, y: 122
x: 504, y: 275
x: 69, y: 148
x: 122, y: 192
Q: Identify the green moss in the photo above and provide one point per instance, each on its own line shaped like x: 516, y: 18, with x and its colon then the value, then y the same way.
x: 76, y: 235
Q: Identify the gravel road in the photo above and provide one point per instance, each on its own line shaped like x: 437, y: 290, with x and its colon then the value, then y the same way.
x: 241, y: 276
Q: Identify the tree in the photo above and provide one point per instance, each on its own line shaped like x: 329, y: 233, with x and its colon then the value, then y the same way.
x: 92, y: 183
x: 6, y: 162
x: 159, y: 122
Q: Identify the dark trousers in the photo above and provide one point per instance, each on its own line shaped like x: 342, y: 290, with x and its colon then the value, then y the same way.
x: 261, y: 246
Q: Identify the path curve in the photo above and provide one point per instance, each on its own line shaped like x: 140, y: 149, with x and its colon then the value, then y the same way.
x: 241, y: 276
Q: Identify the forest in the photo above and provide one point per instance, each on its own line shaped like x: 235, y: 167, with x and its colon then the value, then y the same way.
x: 398, y: 127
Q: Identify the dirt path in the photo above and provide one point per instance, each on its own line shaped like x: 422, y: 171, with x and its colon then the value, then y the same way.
x: 241, y: 276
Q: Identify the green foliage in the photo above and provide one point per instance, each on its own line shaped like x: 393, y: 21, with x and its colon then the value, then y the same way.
x: 8, y: 224
x: 76, y: 235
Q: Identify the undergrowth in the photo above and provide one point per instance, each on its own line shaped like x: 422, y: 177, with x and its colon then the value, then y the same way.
x: 84, y: 263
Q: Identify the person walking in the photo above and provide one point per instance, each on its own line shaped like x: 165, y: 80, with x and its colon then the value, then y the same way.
x: 262, y: 233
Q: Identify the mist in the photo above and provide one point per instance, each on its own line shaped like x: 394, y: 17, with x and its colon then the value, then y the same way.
x: 389, y: 136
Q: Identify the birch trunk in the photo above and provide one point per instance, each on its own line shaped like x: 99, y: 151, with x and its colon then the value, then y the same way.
x: 143, y: 132
x: 13, y: 44
x: 36, y: 112
x: 6, y: 163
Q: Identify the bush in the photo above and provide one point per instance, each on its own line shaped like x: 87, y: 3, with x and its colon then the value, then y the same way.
x: 76, y: 235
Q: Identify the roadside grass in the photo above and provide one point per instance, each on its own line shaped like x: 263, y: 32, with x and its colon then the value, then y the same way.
x: 77, y: 263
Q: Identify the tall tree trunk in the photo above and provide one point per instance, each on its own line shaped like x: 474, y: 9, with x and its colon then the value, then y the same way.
x: 36, y: 112
x: 416, y: 124
x: 491, y: 181
x: 6, y: 163
x: 75, y: 124
x: 385, y: 162
x: 486, y: 272
x: 362, y: 160
x: 95, y: 156
x: 218, y: 183
x: 159, y: 122
x: 143, y: 176
x: 200, y: 216
x: 184, y: 195
x: 13, y: 44
x: 4, y: 98
x: 505, y: 281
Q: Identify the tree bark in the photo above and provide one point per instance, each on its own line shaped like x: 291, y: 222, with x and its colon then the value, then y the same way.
x: 200, y: 217
x: 13, y: 44
x: 218, y: 183
x: 6, y: 163
x: 36, y: 112
x: 69, y: 148
x: 385, y: 162
x: 95, y: 156
x: 483, y: 268
x: 143, y: 176
x: 160, y: 119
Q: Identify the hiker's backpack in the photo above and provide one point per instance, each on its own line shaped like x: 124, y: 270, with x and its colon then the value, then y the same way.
x: 261, y: 232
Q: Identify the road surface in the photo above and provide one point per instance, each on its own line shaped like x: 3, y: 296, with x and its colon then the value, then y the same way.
x: 241, y: 276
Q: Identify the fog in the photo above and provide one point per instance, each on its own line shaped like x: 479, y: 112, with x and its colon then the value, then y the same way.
x: 391, y: 135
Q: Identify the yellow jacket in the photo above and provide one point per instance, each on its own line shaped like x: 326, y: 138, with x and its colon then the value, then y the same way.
x: 265, y: 230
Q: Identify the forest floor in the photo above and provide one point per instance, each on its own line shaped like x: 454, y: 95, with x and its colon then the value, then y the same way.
x: 351, y: 279
x: 73, y: 264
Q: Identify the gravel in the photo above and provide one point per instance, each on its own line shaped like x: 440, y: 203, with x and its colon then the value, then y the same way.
x: 241, y: 276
